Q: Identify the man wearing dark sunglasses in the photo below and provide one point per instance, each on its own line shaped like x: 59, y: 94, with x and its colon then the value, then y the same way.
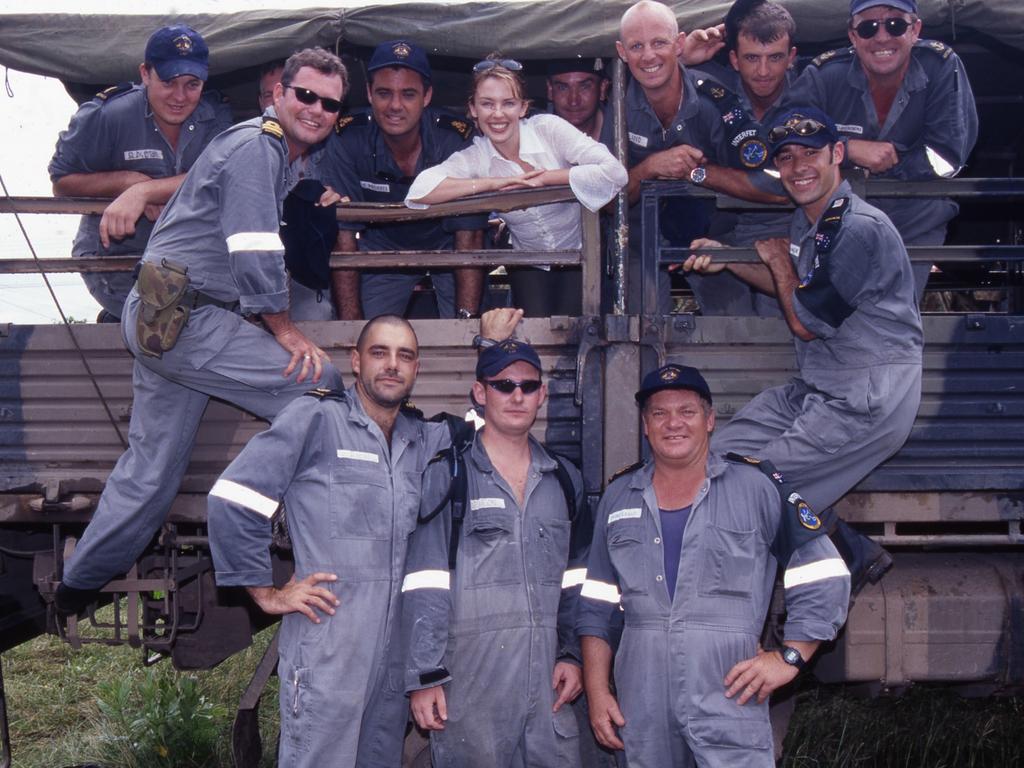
x: 493, y: 661
x: 904, y: 105
x: 134, y: 143
x: 373, y: 158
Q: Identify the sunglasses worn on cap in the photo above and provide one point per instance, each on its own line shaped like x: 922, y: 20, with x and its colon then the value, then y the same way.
x: 508, y: 386
x: 895, y: 27
x: 804, y: 127
x: 487, y: 64
x: 307, y: 96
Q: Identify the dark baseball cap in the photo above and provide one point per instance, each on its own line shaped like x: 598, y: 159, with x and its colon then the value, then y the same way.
x: 586, y: 65
x: 400, y: 53
x: 858, y: 6
x: 495, y: 359
x: 178, y: 50
x: 673, y: 376
x: 807, y: 126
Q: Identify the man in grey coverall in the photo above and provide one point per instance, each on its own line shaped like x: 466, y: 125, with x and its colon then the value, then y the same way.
x: 220, y: 230
x: 845, y: 286
x: 685, y: 552
x: 493, y: 661
x: 135, y: 143
x: 905, y: 106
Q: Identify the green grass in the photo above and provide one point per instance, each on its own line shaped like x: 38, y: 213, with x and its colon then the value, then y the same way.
x: 56, y: 719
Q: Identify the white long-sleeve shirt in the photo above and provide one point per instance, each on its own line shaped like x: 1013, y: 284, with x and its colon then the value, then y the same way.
x: 546, y: 142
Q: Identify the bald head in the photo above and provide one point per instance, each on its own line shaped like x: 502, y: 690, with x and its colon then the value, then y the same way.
x: 647, y: 12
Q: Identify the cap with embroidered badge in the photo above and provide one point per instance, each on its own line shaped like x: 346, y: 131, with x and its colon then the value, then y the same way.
x: 795, y: 126
x: 178, y: 50
x: 495, y: 359
x: 586, y: 64
x: 400, y: 53
x: 673, y: 376
x: 858, y: 6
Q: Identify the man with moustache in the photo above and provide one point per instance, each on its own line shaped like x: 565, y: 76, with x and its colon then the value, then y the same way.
x: 374, y: 158
x: 905, y: 107
x: 135, y: 143
x: 685, y: 552
x: 214, y: 262
x: 846, y: 289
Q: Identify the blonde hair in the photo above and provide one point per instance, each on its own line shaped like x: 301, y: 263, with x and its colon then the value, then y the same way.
x: 514, y: 80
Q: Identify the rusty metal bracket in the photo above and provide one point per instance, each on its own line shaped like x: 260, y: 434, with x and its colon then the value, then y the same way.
x: 589, y: 339
x: 246, y: 744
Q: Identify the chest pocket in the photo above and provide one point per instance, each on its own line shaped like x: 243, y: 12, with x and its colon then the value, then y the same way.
x: 552, y: 550
x: 360, y: 500
x: 727, y: 569
x: 489, y: 552
x: 626, y: 551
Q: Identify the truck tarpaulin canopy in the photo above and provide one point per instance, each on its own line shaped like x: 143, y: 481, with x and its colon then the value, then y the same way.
x: 69, y: 40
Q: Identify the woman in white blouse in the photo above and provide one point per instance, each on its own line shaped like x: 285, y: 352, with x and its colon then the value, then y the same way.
x: 514, y: 152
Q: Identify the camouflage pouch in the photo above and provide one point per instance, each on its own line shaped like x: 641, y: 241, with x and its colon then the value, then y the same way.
x: 162, y: 313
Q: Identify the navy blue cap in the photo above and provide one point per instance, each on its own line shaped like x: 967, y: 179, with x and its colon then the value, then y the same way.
x: 907, y: 6
x: 673, y: 376
x: 495, y: 359
x: 178, y: 50
x: 791, y: 118
x: 586, y: 65
x: 400, y: 53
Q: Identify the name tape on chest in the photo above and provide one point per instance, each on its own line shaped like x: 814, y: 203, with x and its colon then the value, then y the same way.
x: 629, y: 513
x: 374, y: 186
x: 372, y: 458
x: 475, y: 504
x: 143, y: 154
x: 636, y: 138
x: 850, y: 128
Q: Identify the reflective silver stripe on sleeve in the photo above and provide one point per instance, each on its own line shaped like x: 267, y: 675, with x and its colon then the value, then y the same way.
x: 426, y: 580
x: 254, y: 241
x: 823, y: 569
x: 599, y: 590
x: 246, y: 497
x: 573, y: 577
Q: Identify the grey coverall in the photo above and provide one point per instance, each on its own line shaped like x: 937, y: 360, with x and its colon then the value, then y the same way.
x: 351, y: 502
x: 359, y: 164
x: 856, y: 397
x: 674, y: 655
x: 492, y: 631
x: 723, y: 293
x: 933, y: 110
x: 115, y: 131
x: 222, y: 224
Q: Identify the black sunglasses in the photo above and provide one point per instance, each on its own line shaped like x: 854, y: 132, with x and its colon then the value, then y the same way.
x: 488, y: 64
x: 307, y: 96
x: 804, y: 127
x: 508, y: 386
x: 895, y: 27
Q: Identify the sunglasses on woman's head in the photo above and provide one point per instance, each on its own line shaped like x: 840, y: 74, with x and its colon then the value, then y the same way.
x: 895, y: 27
x: 487, y: 64
x: 309, y: 97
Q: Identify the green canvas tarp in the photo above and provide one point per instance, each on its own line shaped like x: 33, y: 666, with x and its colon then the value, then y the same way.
x: 65, y: 40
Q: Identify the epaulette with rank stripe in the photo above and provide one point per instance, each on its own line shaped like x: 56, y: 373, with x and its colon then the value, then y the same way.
x: 462, y: 127
x: 836, y: 54
x: 409, y: 409
x: 115, y: 90
x: 323, y: 393
x: 626, y: 470
x: 935, y: 46
x: 273, y: 127
x: 359, y: 118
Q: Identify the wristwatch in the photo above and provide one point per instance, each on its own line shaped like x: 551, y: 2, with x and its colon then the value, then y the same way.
x: 698, y: 174
x: 792, y: 656
x: 465, y: 314
x: 481, y: 343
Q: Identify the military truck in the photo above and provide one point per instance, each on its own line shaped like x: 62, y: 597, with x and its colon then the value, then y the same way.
x: 949, y: 504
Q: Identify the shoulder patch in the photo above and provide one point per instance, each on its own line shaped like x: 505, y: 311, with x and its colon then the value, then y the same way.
x: 271, y: 126
x: 462, y: 127
x: 625, y: 471
x: 323, y: 393
x: 935, y: 46
x: 113, y: 91
x: 836, y: 54
x: 344, y: 121
x: 409, y: 409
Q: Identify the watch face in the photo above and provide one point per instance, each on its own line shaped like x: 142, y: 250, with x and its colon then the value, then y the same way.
x: 697, y: 175
x: 792, y: 656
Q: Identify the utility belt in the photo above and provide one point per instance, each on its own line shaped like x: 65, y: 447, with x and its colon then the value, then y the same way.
x: 166, y: 301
